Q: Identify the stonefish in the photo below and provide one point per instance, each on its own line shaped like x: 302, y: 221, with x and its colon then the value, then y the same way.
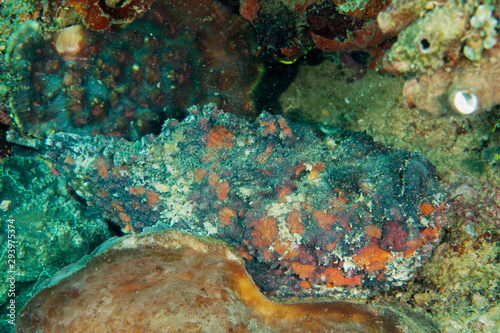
x: 312, y: 210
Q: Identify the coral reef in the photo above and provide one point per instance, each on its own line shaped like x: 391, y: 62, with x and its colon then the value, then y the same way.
x: 13, y: 14
x: 467, y: 89
x: 477, y: 204
x: 451, y: 44
x: 52, y: 230
x: 457, y: 287
x: 127, y: 80
x: 22, y: 42
x: 355, y: 35
x: 311, y: 210
x: 400, y: 14
x: 173, y: 282
x: 289, y: 29
x: 97, y: 15
x: 429, y: 41
x: 485, y: 34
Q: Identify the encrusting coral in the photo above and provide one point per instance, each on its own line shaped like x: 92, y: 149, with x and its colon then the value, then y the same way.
x: 174, y: 282
x: 467, y: 89
x: 427, y: 42
x: 451, y: 46
x: 125, y: 81
x: 312, y: 211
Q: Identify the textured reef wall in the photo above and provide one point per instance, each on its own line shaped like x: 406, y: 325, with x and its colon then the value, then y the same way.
x: 310, y: 210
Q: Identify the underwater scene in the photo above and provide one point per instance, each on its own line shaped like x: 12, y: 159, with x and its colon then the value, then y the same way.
x: 249, y: 166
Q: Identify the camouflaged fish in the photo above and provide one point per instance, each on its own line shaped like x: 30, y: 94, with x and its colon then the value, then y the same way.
x: 312, y: 211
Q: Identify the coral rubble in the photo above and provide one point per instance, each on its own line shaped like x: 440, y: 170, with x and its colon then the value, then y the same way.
x: 173, y: 282
x: 484, y: 34
x: 127, y: 80
x: 311, y: 210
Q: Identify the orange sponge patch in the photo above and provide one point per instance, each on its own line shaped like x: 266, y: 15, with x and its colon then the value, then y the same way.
x: 265, y: 154
x: 153, y: 197
x: 373, y: 231
x: 199, y: 173
x: 222, y: 190
x: 303, y: 271
x: 225, y: 215
x: 372, y: 257
x: 264, y: 232
x: 316, y: 170
x: 102, y: 168
x: 426, y: 209
x: 335, y: 277
x: 219, y: 137
x: 324, y: 220
x: 294, y: 223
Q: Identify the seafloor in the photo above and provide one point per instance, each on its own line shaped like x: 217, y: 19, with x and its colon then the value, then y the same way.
x: 458, y: 288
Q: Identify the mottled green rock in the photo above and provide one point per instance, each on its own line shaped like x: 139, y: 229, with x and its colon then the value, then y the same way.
x: 52, y: 230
